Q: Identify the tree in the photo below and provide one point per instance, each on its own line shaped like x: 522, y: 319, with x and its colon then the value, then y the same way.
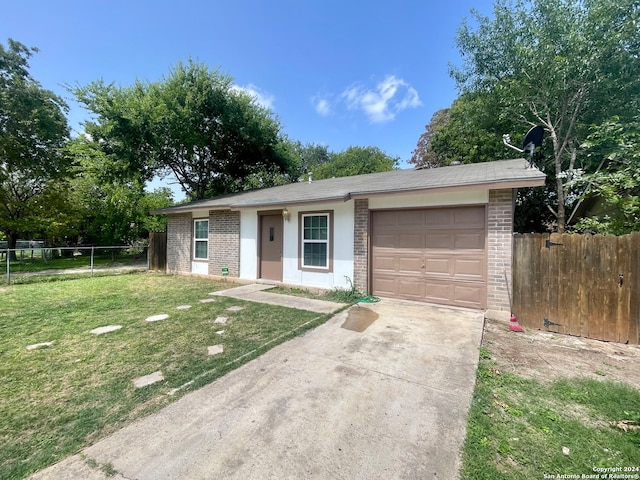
x: 470, y: 131
x: 112, y: 207
x: 563, y: 64
x: 33, y: 130
x: 212, y: 137
x: 616, y: 185
x: 312, y: 155
x: 356, y: 161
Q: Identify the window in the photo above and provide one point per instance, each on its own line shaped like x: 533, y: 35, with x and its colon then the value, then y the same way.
x: 201, y: 239
x: 315, y: 241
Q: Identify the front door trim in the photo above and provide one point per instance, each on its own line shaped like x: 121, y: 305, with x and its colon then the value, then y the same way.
x: 261, y: 215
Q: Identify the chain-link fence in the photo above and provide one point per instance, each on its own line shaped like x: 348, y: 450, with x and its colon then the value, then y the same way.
x: 35, y: 262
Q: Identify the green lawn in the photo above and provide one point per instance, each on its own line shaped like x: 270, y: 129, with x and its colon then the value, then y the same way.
x: 57, y: 399
x: 518, y: 428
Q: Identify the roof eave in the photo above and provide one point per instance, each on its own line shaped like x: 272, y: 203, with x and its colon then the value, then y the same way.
x: 499, y: 185
x: 282, y: 202
x: 187, y: 209
x: 289, y: 203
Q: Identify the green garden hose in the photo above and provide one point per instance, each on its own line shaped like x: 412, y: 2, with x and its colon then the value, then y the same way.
x: 368, y: 299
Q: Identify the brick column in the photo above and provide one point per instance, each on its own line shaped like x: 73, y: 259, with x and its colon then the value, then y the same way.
x: 179, y: 240
x: 361, y: 245
x: 500, y: 249
x: 224, y: 242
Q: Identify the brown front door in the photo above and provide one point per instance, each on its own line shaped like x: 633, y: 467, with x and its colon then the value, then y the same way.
x: 271, y: 229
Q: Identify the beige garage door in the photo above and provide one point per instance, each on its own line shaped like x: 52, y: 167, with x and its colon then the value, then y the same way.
x: 435, y: 255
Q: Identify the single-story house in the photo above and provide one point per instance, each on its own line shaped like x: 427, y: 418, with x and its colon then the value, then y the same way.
x: 441, y: 235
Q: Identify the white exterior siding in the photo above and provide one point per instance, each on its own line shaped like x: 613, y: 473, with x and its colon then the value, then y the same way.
x: 462, y: 197
x: 342, y: 248
x: 291, y: 274
x: 249, y: 244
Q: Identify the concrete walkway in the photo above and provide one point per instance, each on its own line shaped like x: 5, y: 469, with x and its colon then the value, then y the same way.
x: 383, y: 396
x: 255, y: 293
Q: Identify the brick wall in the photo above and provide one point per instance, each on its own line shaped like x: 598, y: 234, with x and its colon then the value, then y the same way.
x: 224, y: 242
x: 179, y: 234
x: 361, y: 244
x: 500, y: 241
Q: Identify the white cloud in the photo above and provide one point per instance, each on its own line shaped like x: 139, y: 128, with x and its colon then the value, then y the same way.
x: 262, y: 97
x: 384, y: 101
x: 322, y: 106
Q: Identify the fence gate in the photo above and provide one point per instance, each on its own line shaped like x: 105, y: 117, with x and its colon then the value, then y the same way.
x: 158, y: 251
x: 585, y: 285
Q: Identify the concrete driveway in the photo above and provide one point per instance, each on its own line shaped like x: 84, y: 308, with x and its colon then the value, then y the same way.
x: 385, y: 398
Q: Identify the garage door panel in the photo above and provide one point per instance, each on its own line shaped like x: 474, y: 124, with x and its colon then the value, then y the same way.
x: 385, y: 219
x: 411, y: 288
x: 470, y: 240
x: 383, y: 263
x: 410, y: 264
x: 437, y: 266
x: 437, y: 218
x: 469, y: 217
x: 385, y: 286
x: 410, y: 240
x: 469, y: 295
x: 383, y: 240
x: 469, y: 268
x: 410, y: 218
x: 451, y: 244
x: 438, y: 292
x: 439, y: 240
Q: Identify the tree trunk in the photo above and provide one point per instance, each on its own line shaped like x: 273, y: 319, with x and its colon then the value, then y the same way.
x: 12, y: 241
x: 560, y: 211
x: 557, y: 160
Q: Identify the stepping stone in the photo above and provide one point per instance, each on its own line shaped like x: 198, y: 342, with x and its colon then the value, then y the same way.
x: 183, y: 307
x: 155, y: 318
x: 222, y: 320
x: 207, y: 300
x: 220, y: 332
x: 106, y: 329
x: 39, y: 345
x: 148, y: 379
x: 215, y: 349
x: 235, y: 309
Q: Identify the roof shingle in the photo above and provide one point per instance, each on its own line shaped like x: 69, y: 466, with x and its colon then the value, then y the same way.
x: 498, y: 174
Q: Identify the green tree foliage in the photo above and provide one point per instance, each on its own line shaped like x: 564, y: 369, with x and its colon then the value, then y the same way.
x: 212, y: 137
x: 312, y: 155
x: 563, y: 64
x: 356, y: 161
x: 615, y: 187
x: 111, y: 208
x: 470, y: 131
x: 33, y: 130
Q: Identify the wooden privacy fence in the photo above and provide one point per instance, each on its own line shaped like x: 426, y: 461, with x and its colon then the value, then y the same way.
x: 158, y: 251
x: 585, y: 285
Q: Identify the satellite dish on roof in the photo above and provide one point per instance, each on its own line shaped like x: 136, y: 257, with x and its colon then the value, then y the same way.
x: 532, y: 140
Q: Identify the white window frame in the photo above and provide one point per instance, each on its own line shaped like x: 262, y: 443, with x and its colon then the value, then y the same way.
x: 201, y: 240
x: 326, y: 241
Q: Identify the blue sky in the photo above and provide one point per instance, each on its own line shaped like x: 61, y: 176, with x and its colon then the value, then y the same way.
x: 340, y: 73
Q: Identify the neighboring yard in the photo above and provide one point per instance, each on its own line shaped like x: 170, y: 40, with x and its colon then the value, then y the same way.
x: 57, y: 399
x: 38, y: 265
x: 547, y: 405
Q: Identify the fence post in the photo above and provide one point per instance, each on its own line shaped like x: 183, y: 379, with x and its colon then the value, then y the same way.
x: 8, y: 267
x: 92, y: 249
